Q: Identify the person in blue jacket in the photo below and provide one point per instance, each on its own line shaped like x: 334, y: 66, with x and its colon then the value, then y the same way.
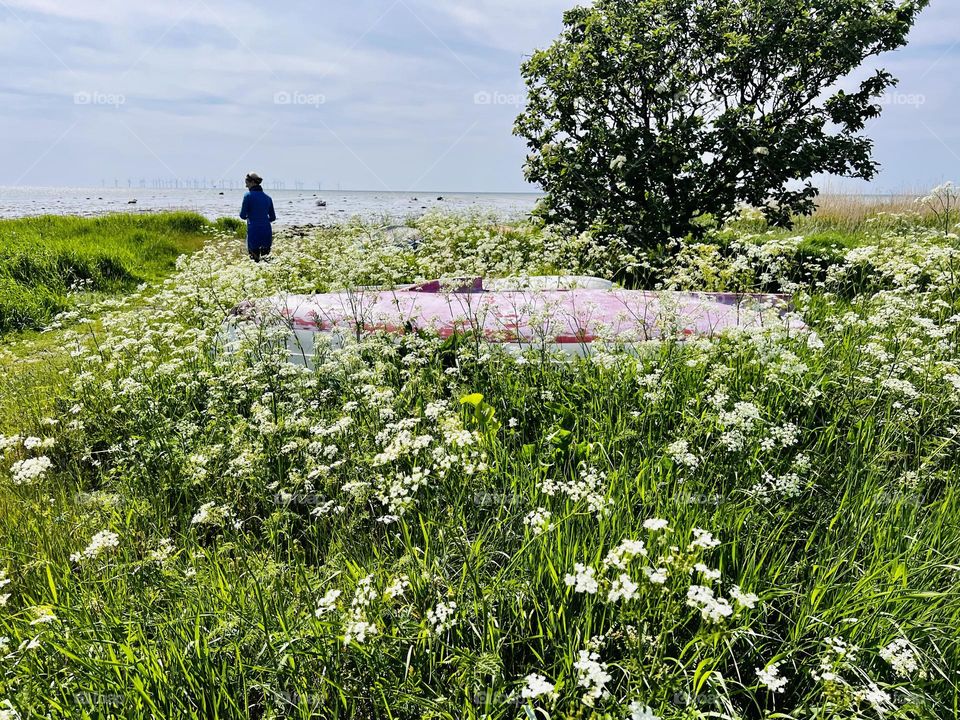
x: 258, y: 211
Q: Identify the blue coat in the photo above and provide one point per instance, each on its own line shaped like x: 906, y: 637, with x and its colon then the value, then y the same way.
x: 258, y: 211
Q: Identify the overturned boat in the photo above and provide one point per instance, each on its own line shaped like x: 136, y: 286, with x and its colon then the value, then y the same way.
x: 567, y: 313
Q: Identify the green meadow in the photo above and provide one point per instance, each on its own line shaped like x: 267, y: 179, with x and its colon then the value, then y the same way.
x: 753, y: 525
x: 48, y: 263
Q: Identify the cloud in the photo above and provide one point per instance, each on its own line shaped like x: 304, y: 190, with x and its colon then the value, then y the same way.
x: 398, y: 80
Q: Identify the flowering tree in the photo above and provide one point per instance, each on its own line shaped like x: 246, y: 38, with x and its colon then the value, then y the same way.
x: 648, y: 119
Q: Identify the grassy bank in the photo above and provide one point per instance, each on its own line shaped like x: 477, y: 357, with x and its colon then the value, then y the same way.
x: 758, y: 525
x: 50, y: 264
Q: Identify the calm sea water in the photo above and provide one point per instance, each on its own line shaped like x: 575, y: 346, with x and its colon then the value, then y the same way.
x: 294, y: 207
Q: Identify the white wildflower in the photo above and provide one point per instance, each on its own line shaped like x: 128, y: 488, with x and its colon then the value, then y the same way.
x: 679, y: 452
x: 624, y: 553
x: 656, y: 525
x: 902, y: 657
x: 592, y: 675
x: 583, y: 579
x: 747, y: 600
x: 398, y: 587
x: 771, y: 678
x: 8, y: 712
x: 328, y: 603
x: 102, y: 542
x: 164, y: 550
x: 713, y: 609
x: 538, y: 521
x: 623, y: 588
x: 657, y: 577
x: 702, y: 540
x: 212, y: 514
x: 642, y: 712
x: 46, y: 617
x: 27, y: 471
x: 877, y: 698
x: 357, y: 630
x: 708, y: 573
x: 537, y: 686
x: 442, y: 617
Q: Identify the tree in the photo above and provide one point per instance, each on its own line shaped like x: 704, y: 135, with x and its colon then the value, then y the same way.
x: 648, y: 119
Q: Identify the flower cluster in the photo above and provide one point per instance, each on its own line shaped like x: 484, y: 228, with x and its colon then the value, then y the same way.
x: 103, y: 542
x: 443, y: 617
x: 592, y: 675
x: 590, y: 488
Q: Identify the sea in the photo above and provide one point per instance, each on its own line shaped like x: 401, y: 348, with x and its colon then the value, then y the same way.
x: 294, y: 207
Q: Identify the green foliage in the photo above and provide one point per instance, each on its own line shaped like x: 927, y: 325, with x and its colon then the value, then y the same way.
x: 47, y: 263
x: 215, y: 528
x: 655, y: 119
x: 232, y: 226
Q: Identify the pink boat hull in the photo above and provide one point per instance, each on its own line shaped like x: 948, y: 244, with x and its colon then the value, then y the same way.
x: 562, y: 317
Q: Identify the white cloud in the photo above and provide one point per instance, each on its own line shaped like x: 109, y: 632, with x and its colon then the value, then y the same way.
x: 199, y: 79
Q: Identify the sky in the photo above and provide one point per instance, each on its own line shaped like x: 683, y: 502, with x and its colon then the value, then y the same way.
x: 401, y: 95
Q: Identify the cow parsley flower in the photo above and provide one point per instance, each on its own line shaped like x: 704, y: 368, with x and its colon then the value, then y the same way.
x: 708, y: 573
x: 623, y: 588
x: 397, y: 588
x: 747, y: 600
x: 357, y: 630
x: 102, y: 542
x: 879, y: 699
x: 328, y: 603
x: 770, y: 677
x: 592, y: 675
x: 656, y: 525
x: 583, y: 579
x: 8, y: 712
x: 642, y: 712
x: 538, y: 521
x: 679, y: 452
x: 212, y: 514
x: 702, y: 540
x: 34, y: 443
x: 589, y: 487
x: 45, y: 617
x: 656, y: 576
x: 164, y: 550
x: 902, y: 657
x: 537, y: 686
x: 442, y: 617
x: 713, y: 609
x: 27, y: 471
x: 624, y: 553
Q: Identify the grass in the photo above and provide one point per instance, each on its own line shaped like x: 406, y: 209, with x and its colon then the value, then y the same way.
x: 228, y: 535
x: 48, y: 264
